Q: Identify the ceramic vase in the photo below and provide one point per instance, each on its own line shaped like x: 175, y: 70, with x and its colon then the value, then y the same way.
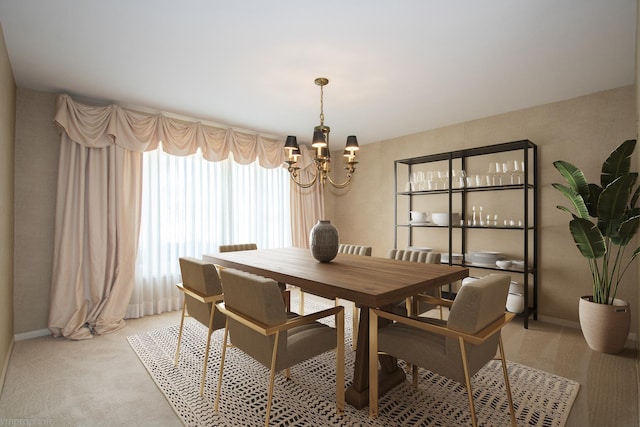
x: 323, y: 241
x: 605, y: 326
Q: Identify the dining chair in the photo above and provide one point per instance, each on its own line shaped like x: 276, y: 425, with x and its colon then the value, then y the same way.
x: 344, y: 248
x: 258, y: 324
x: 251, y: 247
x: 238, y: 247
x: 411, y: 305
x: 202, y: 289
x: 456, y: 348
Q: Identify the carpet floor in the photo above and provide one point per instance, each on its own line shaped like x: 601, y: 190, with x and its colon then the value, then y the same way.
x: 308, y: 397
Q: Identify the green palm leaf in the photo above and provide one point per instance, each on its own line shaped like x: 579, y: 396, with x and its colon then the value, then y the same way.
x: 576, y: 200
x: 612, y: 203
x: 618, y: 163
x: 574, y: 176
x: 588, y: 238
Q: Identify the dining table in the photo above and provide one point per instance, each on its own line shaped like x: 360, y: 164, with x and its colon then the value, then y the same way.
x: 367, y: 281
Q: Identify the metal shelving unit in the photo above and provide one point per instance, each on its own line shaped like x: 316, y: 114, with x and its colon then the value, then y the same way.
x: 458, y: 199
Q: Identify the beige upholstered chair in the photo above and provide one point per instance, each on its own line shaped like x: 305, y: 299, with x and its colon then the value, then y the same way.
x: 258, y: 324
x: 457, y: 348
x: 251, y: 247
x: 202, y: 289
x: 417, y: 305
x: 344, y: 248
x: 238, y: 247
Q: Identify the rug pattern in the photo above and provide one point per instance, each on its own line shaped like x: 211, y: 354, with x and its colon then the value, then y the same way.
x: 308, y: 397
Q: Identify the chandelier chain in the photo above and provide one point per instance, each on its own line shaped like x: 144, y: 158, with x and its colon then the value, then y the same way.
x: 321, y: 105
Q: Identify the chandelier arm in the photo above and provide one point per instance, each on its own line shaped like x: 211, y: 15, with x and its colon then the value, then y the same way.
x: 343, y: 185
x: 308, y: 185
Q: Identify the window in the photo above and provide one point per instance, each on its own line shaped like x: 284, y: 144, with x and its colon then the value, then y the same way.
x: 190, y: 206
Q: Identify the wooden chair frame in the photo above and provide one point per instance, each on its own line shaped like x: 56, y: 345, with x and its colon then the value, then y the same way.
x: 212, y: 299
x: 478, y: 338
x: 266, y: 330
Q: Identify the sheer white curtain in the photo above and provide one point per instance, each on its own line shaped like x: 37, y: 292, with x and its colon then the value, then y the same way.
x: 190, y: 206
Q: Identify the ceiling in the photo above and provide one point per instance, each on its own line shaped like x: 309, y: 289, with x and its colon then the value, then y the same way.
x: 395, y: 67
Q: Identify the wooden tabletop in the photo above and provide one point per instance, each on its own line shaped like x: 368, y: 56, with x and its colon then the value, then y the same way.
x: 365, y: 280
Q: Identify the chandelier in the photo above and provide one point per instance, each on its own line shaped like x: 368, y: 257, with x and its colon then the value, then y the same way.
x: 322, y: 154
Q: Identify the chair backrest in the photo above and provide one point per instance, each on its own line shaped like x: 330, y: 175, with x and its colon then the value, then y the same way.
x: 476, y: 305
x: 238, y: 247
x: 202, y: 277
x: 344, y: 248
x: 415, y: 256
x: 260, y: 299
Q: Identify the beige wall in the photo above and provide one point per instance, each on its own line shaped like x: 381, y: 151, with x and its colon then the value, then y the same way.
x: 36, y: 163
x: 7, y: 133
x: 582, y: 130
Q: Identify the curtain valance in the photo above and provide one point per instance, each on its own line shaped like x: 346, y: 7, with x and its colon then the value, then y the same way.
x: 102, y: 126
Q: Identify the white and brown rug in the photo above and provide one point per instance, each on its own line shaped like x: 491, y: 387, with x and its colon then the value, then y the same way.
x: 308, y: 397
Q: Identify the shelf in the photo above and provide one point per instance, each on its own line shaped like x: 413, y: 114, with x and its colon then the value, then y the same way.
x: 469, y: 227
x: 528, y: 230
x: 466, y: 189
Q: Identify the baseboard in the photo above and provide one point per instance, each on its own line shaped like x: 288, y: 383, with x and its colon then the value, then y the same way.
x: 560, y: 322
x: 6, y: 365
x: 633, y: 337
x: 32, y: 334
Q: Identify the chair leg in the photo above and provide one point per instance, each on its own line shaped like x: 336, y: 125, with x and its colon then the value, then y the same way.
x: 206, y: 351
x: 272, y: 376
x: 467, y: 380
x: 340, y: 363
x: 355, y: 316
x: 184, y: 306
x: 439, y: 295
x: 224, y: 352
x: 414, y: 375
x: 506, y: 382
x: 301, y: 302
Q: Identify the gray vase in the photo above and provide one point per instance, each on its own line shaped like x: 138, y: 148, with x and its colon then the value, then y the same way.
x: 323, y: 241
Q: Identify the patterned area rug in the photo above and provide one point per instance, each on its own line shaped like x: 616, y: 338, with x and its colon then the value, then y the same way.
x: 308, y: 397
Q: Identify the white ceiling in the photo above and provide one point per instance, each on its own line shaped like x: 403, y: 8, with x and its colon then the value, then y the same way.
x: 395, y: 67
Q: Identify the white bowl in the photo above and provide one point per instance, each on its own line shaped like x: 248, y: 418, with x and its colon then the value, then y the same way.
x: 519, y: 265
x: 504, y: 264
x: 442, y: 218
x: 418, y: 216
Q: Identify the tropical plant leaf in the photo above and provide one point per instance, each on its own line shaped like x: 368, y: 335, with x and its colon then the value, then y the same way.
x: 576, y: 200
x: 634, y: 198
x: 588, y: 238
x: 618, y: 163
x: 627, y: 230
x: 612, y: 203
x: 567, y: 210
x: 574, y: 176
x: 592, y: 200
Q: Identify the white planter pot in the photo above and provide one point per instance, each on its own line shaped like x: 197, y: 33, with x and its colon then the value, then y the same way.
x: 605, y: 326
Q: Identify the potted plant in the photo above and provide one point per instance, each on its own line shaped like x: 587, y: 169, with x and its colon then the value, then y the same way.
x: 604, y: 221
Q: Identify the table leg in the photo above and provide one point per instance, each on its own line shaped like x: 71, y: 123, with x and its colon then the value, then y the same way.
x: 357, y: 394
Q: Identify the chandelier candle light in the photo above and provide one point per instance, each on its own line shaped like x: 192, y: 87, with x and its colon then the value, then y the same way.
x: 322, y: 155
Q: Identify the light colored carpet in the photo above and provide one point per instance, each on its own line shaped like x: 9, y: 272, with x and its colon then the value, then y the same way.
x: 308, y: 398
